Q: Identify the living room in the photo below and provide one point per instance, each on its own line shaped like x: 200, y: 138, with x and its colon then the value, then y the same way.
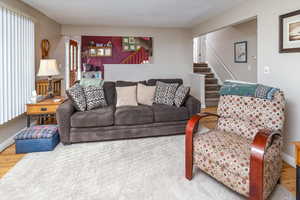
x: 130, y: 131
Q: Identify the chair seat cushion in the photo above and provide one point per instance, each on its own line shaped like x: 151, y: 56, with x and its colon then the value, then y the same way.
x: 93, y: 118
x: 166, y: 113
x: 228, y: 150
x: 133, y: 115
x: 226, y: 157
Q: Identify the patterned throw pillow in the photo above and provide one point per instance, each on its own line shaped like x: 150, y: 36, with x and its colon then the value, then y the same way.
x: 181, y: 94
x: 94, y: 97
x: 76, y: 95
x: 85, y: 82
x: 165, y: 93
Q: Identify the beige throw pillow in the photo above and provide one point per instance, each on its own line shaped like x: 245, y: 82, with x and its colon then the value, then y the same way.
x: 126, y: 96
x: 145, y: 94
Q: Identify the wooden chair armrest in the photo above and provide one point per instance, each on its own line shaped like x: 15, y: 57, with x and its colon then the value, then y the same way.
x: 191, y: 128
x: 258, y: 148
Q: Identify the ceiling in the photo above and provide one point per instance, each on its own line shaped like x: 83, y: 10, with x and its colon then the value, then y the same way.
x: 153, y: 13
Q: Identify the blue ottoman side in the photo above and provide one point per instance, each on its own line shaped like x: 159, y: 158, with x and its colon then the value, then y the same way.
x: 37, y: 139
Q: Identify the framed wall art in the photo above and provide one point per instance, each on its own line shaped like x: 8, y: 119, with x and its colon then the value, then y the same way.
x: 240, y: 52
x: 289, y: 32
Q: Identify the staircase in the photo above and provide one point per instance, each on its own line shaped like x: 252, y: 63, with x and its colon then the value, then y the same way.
x: 137, y: 57
x: 211, y: 84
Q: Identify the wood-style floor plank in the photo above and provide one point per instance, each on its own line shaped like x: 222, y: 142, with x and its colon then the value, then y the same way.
x: 8, y: 158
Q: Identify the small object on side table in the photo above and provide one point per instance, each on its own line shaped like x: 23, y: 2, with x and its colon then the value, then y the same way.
x: 37, y: 139
x: 297, y: 161
x: 45, y: 107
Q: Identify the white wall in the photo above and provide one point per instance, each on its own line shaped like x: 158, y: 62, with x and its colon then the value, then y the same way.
x: 172, y: 51
x: 284, y: 68
x: 222, y: 44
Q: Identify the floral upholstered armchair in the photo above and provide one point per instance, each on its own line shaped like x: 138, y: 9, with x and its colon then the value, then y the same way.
x: 244, y: 150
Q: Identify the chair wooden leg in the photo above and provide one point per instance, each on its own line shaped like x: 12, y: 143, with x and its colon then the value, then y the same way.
x: 189, y: 158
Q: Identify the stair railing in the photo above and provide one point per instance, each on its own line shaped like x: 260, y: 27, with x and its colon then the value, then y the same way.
x: 220, y: 61
x: 137, y: 57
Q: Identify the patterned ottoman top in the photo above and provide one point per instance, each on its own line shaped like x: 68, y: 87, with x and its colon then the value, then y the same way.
x: 37, y: 132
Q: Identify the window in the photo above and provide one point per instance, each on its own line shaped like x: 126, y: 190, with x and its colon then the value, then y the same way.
x: 17, y: 74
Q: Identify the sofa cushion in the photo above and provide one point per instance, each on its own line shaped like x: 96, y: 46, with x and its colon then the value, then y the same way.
x: 133, y: 115
x: 110, y: 92
x: 165, y: 93
x: 94, y: 97
x: 176, y: 80
x: 145, y: 94
x: 181, y: 95
x: 126, y: 96
x: 77, y: 97
x: 93, y: 118
x: 165, y: 113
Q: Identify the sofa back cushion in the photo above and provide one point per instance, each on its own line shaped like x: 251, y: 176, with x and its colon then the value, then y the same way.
x: 128, y: 83
x: 246, y: 115
x: 109, y: 88
x: 176, y: 80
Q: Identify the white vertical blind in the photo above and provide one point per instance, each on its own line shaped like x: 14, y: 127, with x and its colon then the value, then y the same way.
x: 17, y: 74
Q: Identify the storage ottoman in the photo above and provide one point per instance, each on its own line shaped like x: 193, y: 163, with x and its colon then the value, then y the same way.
x: 37, y: 139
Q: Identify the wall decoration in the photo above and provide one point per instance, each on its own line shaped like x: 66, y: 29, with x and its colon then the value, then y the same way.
x: 289, y: 32
x: 45, y: 46
x: 96, y: 51
x: 240, y: 52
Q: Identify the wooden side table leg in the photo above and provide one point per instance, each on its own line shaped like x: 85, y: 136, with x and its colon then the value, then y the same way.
x: 28, y: 120
x: 298, y: 183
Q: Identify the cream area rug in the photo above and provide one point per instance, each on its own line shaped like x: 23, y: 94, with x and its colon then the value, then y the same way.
x: 139, y: 169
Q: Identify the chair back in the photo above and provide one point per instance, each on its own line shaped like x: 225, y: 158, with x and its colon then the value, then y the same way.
x: 245, y: 116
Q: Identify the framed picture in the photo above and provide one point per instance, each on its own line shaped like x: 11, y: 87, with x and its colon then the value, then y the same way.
x: 131, y: 40
x: 240, y: 52
x: 93, y: 52
x: 100, y: 52
x: 289, y: 32
x: 108, y: 52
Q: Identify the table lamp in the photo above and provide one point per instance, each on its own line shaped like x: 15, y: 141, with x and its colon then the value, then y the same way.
x: 48, y: 67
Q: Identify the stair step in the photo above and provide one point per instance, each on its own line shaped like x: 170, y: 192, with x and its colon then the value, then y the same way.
x: 212, y: 87
x: 200, y: 65
x: 212, y: 94
x: 211, y: 102
x: 211, y: 81
x: 201, y: 69
x: 208, y: 74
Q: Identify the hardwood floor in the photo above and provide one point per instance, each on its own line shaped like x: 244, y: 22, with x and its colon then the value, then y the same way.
x: 8, y: 159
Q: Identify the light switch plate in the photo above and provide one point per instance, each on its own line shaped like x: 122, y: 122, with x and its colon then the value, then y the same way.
x: 267, y: 70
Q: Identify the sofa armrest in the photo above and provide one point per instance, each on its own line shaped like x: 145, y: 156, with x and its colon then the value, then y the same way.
x: 193, y: 105
x: 63, y: 116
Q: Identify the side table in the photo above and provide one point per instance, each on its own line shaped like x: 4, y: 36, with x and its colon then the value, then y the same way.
x: 45, y: 107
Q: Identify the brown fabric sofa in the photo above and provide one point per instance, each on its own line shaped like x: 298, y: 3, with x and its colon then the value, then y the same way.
x: 110, y: 123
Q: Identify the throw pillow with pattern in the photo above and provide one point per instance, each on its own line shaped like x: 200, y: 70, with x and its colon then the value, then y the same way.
x: 77, y: 97
x: 94, y: 97
x: 181, y: 94
x: 165, y: 93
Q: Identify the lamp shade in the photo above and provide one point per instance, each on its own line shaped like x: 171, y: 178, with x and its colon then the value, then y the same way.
x: 48, y: 67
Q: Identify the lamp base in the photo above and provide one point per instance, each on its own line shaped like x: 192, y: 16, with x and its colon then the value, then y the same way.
x: 50, y: 88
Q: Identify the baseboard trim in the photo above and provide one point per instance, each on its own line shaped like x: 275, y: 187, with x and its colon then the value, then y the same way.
x: 288, y: 159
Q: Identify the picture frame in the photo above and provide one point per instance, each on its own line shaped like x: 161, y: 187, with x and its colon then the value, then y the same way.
x: 289, y: 32
x: 241, y: 52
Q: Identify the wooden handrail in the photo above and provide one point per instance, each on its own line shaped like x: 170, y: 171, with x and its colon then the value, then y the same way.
x: 137, y: 57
